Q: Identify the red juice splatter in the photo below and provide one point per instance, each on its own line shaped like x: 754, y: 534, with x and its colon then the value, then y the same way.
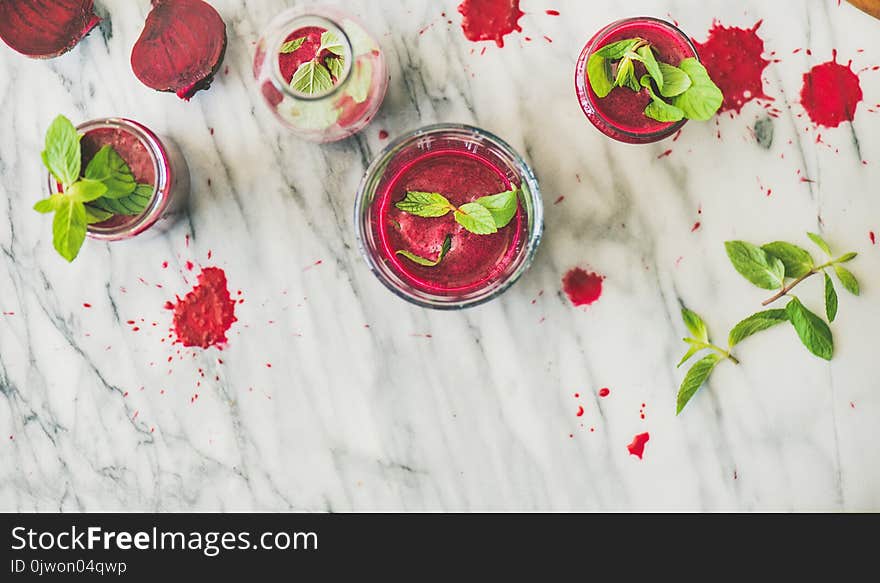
x: 604, y: 392
x: 548, y: 39
x: 664, y: 154
x: 189, y: 266
x: 580, y: 412
x: 696, y: 226
x: 552, y: 12
x: 637, y: 447
x: 489, y: 19
x: 560, y: 199
x: 831, y: 93
x: 873, y: 238
x: 164, y: 265
x: 206, y: 313
x: 733, y: 58
x: 87, y: 305
x: 577, y: 395
x: 581, y: 287
x: 383, y: 135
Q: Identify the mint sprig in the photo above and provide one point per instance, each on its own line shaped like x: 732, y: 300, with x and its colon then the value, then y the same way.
x: 692, y: 93
x: 769, y: 267
x: 107, y: 188
x: 444, y: 249
x: 483, y: 216
x: 316, y: 76
x: 292, y: 45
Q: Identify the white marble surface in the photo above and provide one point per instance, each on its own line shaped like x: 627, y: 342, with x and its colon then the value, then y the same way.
x: 426, y: 410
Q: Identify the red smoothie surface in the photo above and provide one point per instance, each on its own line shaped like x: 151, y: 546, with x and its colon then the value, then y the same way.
x: 623, y: 108
x: 473, y: 260
x: 130, y: 148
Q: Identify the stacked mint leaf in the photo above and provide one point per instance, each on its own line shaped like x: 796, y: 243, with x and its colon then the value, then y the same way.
x: 778, y: 266
x: 483, y: 216
x: 316, y: 76
x: 685, y: 91
x: 107, y: 189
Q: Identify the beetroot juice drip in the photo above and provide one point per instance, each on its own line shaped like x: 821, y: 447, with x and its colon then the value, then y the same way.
x: 473, y: 260
x: 623, y: 108
x: 131, y: 149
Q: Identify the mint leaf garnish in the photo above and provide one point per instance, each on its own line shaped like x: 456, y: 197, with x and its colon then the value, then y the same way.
x: 703, y: 98
x: 755, y: 264
x: 425, y: 204
x: 62, y: 156
x: 659, y: 109
x: 336, y: 66
x: 646, y: 55
x: 695, y: 325
x: 599, y: 75
x: 756, y: 323
x: 96, y: 215
x: 292, y: 45
x: 812, y: 330
x: 86, y: 190
x: 476, y: 218
x: 331, y: 42
x: 69, y: 228
x: 695, y: 378
x: 312, y: 78
x: 108, y: 167
x: 444, y: 249
x: 617, y: 49
x: 830, y: 298
x: 49, y: 205
x: 820, y: 242
x: 502, y: 206
x: 130, y: 205
x: 626, y: 74
x: 675, y: 81
x: 849, y: 281
x: 797, y: 260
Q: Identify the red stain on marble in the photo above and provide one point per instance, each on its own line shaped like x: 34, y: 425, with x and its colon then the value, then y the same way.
x: 872, y: 237
x: 552, y: 12
x: 203, y: 317
x: 604, y: 392
x: 164, y: 265
x: 831, y: 93
x: 696, y: 226
x: 560, y: 199
x: 189, y: 265
x: 383, y: 135
x: 664, y: 154
x: 734, y: 58
x: 580, y: 412
x: 87, y: 305
x: 582, y: 288
x: 490, y: 19
x: 637, y: 447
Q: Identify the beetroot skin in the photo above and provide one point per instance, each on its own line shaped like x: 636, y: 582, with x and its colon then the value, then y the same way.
x: 42, y: 30
x: 181, y: 47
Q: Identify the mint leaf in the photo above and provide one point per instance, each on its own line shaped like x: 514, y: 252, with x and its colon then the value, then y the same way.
x: 846, y: 257
x: 599, y: 75
x: 755, y: 264
x: 292, y: 45
x: 754, y: 324
x: 626, y: 73
x: 86, y: 190
x: 62, y: 154
x: 49, y: 205
x: 797, y: 261
x: 336, y: 66
x: 111, y: 169
x: 331, y: 42
x: 659, y: 109
x: 69, y: 228
x: 424, y: 204
x: 96, y: 215
x: 812, y: 330
x: 687, y: 355
x: 849, y: 281
x: 358, y: 88
x: 444, y: 249
x: 820, y: 242
x: 476, y: 218
x: 695, y: 378
x: 695, y: 325
x: 312, y: 78
x: 131, y: 205
x: 653, y: 67
x: 502, y: 206
x: 675, y: 81
x: 830, y: 299
x: 703, y: 98
x: 616, y: 50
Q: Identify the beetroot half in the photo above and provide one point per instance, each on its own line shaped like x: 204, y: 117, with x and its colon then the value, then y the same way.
x: 42, y: 29
x: 181, y: 47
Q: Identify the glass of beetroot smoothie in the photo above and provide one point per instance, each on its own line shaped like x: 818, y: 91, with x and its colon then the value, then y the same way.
x: 620, y: 114
x: 462, y: 164
x: 320, y: 73
x: 152, y: 160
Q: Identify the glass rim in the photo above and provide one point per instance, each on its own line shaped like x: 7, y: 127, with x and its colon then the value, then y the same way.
x: 160, y: 159
x: 375, y: 170
x: 291, y: 16
x: 583, y: 92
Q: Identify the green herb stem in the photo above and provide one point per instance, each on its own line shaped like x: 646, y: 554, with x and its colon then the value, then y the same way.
x: 718, y: 349
x: 785, y: 290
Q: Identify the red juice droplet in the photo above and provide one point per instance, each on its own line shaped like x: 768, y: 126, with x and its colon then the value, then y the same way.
x: 733, y: 58
x: 580, y: 412
x: 696, y: 226
x: 831, y: 93
x: 489, y: 19
x: 189, y: 265
x: 552, y: 12
x: 206, y: 313
x: 87, y: 305
x: 383, y: 135
x: 604, y: 392
x: 581, y: 287
x: 637, y: 447
x: 873, y: 238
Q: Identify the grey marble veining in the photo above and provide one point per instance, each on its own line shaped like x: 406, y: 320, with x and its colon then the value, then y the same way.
x: 441, y: 411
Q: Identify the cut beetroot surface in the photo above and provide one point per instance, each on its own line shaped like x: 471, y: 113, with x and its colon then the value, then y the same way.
x: 41, y: 29
x: 180, y: 48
